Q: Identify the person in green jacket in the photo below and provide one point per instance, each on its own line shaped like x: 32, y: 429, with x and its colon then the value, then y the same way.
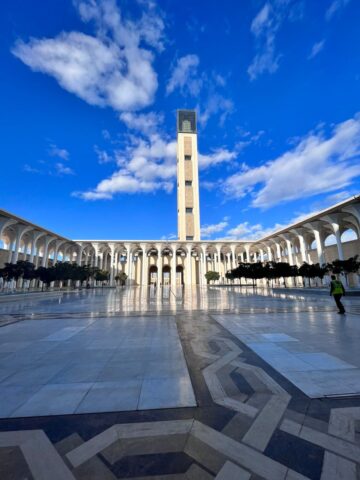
x: 337, y: 290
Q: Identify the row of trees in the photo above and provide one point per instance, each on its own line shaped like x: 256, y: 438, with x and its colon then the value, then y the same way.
x: 60, y: 272
x: 271, y: 271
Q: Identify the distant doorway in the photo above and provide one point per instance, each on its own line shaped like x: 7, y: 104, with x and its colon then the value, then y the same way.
x: 166, y: 275
x: 153, y: 275
x: 179, y: 275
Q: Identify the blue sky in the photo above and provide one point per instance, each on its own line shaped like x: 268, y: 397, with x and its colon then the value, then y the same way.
x: 89, y: 92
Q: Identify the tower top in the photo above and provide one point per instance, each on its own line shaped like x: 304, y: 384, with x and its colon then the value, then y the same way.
x: 186, y: 121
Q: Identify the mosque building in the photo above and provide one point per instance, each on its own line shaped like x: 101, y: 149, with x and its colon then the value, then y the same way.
x: 186, y: 260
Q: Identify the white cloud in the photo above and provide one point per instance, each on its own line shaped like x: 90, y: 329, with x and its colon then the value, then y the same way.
x: 316, y: 165
x: 144, y: 167
x: 208, y: 230
x: 55, y: 151
x: 103, y: 156
x: 184, y: 76
x: 215, y: 104
x: 316, y: 49
x: 218, y: 156
x: 171, y: 236
x: 265, y: 27
x: 110, y: 69
x: 143, y: 122
x: 29, y: 169
x: 334, y: 7
x: 245, y: 230
x: 61, y: 169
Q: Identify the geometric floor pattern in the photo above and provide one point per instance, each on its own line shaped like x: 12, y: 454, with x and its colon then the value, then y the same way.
x: 317, y: 373
x: 250, y: 422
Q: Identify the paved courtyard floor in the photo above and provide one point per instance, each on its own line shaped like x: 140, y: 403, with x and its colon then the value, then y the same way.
x: 218, y: 382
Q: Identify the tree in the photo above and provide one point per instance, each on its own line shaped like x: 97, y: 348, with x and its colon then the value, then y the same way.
x: 305, y: 271
x: 46, y: 275
x: 351, y: 265
x: 229, y: 275
x: 102, y: 276
x: 121, y: 278
x: 211, y: 276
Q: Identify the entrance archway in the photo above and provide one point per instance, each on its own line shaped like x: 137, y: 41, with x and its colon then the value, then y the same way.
x: 166, y: 280
x: 153, y: 275
x: 179, y: 275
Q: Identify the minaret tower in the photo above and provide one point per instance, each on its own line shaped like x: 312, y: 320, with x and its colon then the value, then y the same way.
x: 187, y: 177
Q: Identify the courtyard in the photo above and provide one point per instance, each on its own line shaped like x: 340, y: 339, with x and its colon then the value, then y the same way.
x: 200, y: 383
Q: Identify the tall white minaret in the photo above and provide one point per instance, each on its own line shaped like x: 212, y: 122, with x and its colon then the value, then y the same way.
x: 187, y: 177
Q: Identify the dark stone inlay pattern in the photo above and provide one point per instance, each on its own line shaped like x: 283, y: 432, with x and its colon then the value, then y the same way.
x: 296, y: 453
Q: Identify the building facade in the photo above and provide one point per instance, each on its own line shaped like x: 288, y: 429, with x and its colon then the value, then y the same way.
x: 318, y: 238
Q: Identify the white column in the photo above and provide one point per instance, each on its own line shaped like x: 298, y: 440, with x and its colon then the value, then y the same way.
x: 79, y: 256
x: 96, y: 254
x: 233, y: 255
x: 112, y: 263
x: 302, y: 247
x: 203, y: 263
x: 46, y: 251
x: 173, y: 265
x: 278, y: 251
x: 20, y: 230
x: 188, y: 266
x: 247, y: 250
x: 144, y: 265
x: 159, y: 266
x: 269, y: 253
x: 289, y: 250
x: 319, y: 244
x: 129, y: 266
x: 261, y: 255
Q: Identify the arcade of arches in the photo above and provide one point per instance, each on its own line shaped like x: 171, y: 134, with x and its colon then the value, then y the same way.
x: 323, y: 237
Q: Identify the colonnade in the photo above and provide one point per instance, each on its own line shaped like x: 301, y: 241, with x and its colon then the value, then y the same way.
x: 186, y: 263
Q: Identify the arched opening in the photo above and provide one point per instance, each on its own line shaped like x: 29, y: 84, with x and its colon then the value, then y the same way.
x: 153, y: 274
x: 166, y: 280
x: 330, y: 240
x: 348, y: 235
x: 179, y: 275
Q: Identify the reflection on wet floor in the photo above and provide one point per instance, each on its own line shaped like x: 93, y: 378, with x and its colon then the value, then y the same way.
x: 167, y: 299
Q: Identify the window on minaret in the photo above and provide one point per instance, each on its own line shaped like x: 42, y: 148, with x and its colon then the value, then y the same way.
x: 187, y: 157
x: 189, y: 210
x: 186, y: 126
x: 189, y: 237
x: 188, y: 183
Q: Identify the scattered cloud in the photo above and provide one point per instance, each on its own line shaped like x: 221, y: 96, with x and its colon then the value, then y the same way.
x: 316, y: 49
x: 106, y: 134
x: 184, y: 76
x: 29, y: 169
x: 215, y: 104
x: 145, y: 166
x: 55, y: 151
x: 315, y: 165
x: 335, y: 6
x: 209, y: 230
x: 113, y: 68
x: 145, y: 123
x: 61, y: 169
x: 171, y: 236
x: 244, y: 230
x: 265, y: 27
x: 103, y: 156
x: 215, y: 158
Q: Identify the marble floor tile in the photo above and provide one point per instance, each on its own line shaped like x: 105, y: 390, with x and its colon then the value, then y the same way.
x: 12, y: 397
x: 111, y: 397
x: 53, y: 399
x: 166, y: 393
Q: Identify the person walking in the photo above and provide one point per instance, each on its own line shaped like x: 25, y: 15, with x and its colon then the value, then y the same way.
x: 337, y: 290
